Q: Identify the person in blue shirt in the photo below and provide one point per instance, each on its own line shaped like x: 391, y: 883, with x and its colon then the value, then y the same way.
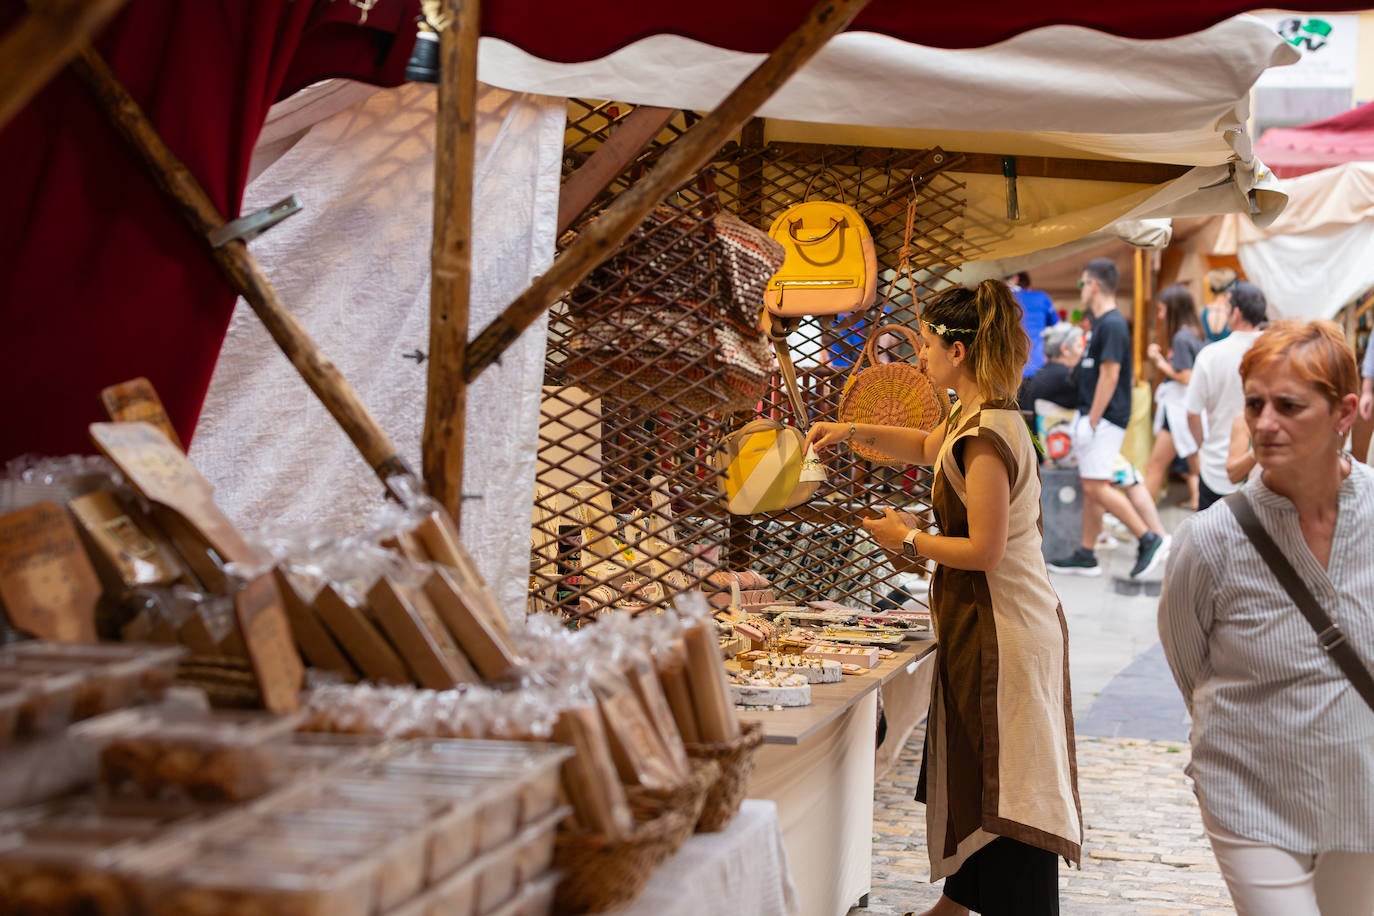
x: 1037, y: 313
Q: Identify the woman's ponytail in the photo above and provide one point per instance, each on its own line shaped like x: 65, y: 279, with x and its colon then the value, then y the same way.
x: 1001, y: 345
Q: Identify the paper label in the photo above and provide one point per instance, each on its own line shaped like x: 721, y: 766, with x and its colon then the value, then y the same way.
x: 122, y: 541
x: 48, y: 586
x: 163, y: 474
x: 136, y: 400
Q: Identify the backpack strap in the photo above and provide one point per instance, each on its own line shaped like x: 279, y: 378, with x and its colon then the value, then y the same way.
x: 777, y: 335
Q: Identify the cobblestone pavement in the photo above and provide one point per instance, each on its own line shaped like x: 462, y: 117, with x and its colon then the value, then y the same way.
x: 1144, y: 851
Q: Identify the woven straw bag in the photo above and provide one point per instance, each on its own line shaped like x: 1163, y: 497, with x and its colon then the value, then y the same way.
x: 890, y: 394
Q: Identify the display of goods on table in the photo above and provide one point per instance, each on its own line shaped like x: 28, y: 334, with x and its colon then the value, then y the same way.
x: 410, y: 806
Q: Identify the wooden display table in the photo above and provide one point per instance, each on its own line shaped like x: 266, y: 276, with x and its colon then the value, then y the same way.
x: 817, y: 764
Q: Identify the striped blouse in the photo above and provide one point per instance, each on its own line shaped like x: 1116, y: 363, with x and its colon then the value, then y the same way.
x: 1283, y: 745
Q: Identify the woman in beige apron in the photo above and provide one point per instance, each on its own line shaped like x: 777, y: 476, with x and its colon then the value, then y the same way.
x: 999, y: 777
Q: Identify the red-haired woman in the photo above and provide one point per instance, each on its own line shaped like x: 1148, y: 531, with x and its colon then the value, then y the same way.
x: 1283, y: 743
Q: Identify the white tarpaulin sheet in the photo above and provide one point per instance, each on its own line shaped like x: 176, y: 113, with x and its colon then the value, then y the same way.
x: 1061, y: 91
x: 354, y: 267
x: 1319, y: 254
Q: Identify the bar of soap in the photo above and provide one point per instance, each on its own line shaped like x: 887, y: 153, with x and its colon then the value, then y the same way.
x: 769, y: 689
x: 815, y: 670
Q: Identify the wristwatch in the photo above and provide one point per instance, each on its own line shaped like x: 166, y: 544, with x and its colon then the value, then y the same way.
x: 909, y: 545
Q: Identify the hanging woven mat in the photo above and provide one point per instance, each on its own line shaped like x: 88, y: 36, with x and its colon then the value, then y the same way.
x: 890, y: 394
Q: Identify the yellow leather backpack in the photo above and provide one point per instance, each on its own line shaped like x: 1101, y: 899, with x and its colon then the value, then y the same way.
x: 830, y: 265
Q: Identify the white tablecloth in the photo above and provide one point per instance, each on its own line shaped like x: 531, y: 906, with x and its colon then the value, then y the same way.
x: 742, y: 869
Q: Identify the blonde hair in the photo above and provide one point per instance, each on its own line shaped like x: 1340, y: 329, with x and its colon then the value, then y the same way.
x: 987, y: 320
x: 1220, y: 280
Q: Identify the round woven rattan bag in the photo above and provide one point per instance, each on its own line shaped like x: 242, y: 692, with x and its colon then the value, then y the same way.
x: 890, y: 394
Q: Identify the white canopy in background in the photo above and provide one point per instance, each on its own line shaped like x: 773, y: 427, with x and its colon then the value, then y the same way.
x: 1319, y: 254
x: 1063, y: 91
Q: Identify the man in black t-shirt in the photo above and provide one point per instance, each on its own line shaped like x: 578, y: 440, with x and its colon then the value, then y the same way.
x: 1104, y: 405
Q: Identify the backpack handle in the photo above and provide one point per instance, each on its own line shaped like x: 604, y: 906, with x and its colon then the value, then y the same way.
x: 835, y: 223
x: 835, y: 182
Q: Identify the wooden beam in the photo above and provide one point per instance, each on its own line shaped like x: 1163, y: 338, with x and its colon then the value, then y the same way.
x: 451, y: 254
x: 610, y: 159
x: 41, y: 44
x: 238, y: 266
x: 991, y: 163
x: 688, y: 154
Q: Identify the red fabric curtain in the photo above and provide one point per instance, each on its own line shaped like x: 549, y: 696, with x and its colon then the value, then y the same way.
x: 100, y: 278
x: 576, y: 30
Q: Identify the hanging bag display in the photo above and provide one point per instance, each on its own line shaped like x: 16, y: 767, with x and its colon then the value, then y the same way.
x: 671, y: 320
x: 894, y: 393
x: 890, y: 394
x: 761, y: 463
x: 830, y: 264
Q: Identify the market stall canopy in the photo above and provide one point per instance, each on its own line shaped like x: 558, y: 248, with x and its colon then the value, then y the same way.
x: 1294, y: 151
x: 1319, y: 254
x: 1038, y: 94
x: 99, y: 279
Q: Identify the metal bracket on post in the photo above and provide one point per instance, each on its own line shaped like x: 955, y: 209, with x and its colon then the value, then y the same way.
x: 255, y: 224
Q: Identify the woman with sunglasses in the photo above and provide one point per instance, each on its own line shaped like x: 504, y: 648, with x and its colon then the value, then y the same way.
x: 998, y: 777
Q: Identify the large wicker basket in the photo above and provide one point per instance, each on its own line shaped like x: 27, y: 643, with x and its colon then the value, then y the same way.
x: 736, y: 760
x: 600, y: 873
x: 890, y: 394
x: 688, y: 799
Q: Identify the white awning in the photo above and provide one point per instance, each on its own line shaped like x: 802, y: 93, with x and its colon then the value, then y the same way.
x: 1063, y: 91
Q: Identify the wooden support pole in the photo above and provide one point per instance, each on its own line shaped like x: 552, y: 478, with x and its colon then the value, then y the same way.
x: 42, y: 43
x: 451, y: 254
x: 177, y: 182
x: 610, y: 159
x: 1142, y: 336
x: 688, y: 154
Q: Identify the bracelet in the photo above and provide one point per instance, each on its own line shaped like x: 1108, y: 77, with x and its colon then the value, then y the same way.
x: 850, y: 437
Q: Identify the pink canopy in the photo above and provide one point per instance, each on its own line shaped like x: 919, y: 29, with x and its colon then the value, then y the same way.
x: 1294, y: 151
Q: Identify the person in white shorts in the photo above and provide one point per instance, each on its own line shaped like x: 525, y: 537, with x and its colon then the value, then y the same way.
x: 1104, y: 404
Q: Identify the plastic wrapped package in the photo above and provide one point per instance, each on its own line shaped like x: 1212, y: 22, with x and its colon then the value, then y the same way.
x: 533, y: 766
x: 11, y: 701
x: 498, y: 814
x: 62, y: 876
x: 228, y: 884
x: 170, y: 752
x: 396, y: 854
x: 115, y: 674
x: 534, y: 899
x: 66, y: 856
x: 48, y: 700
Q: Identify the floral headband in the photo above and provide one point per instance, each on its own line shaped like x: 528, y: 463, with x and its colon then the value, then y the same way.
x: 940, y: 330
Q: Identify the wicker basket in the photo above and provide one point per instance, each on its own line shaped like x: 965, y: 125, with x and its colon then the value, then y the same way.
x: 890, y: 394
x: 736, y: 760
x: 600, y: 873
x: 687, y: 799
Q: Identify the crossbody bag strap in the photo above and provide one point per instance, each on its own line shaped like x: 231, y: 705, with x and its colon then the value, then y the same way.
x: 778, y: 336
x: 1329, y: 635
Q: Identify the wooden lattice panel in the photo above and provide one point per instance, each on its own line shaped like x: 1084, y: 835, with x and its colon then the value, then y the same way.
x: 629, y: 510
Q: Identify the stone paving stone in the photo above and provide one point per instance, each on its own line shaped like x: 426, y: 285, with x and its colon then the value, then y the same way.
x: 1144, y: 850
